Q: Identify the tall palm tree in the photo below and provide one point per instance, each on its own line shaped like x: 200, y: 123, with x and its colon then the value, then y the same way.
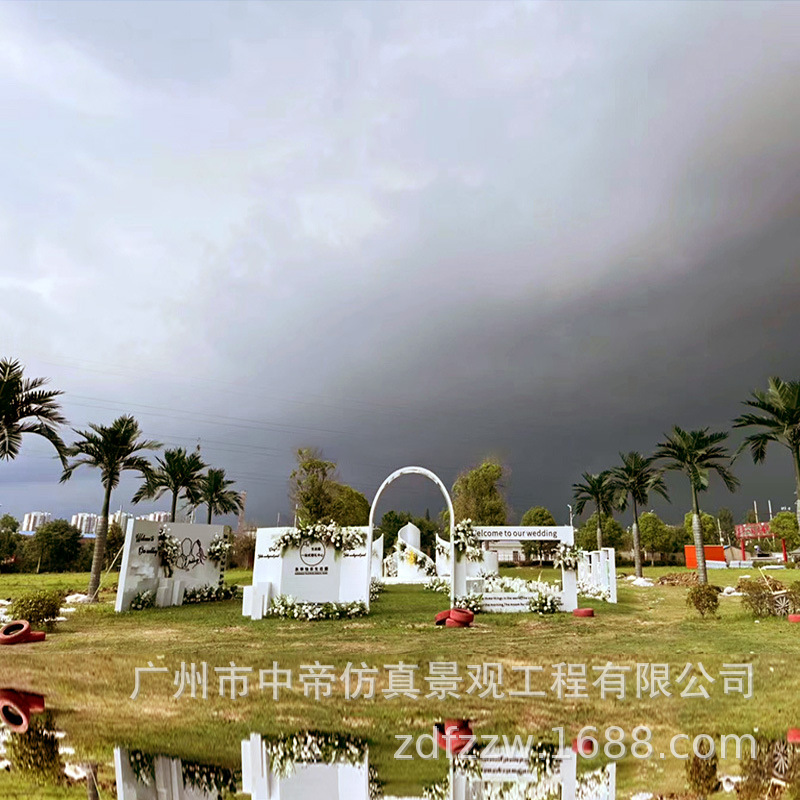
x: 215, y: 493
x: 780, y: 422
x: 634, y: 480
x: 112, y: 449
x: 178, y: 472
x: 597, y: 489
x: 25, y: 407
x: 696, y: 454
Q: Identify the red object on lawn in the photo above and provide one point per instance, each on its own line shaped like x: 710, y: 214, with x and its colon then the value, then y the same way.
x: 454, y: 735
x: 451, y: 623
x: 794, y: 617
x: 462, y: 615
x: 583, y: 745
x: 16, y: 708
x: 19, y: 632
x: 793, y: 736
x: 583, y: 612
x: 15, y: 632
x: 442, y: 616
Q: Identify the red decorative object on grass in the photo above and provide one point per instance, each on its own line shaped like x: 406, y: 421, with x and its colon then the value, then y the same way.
x: 583, y: 612
x: 16, y: 708
x: 19, y: 632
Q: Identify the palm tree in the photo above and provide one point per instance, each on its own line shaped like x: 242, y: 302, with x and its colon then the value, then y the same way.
x: 25, y: 407
x: 215, y: 493
x: 112, y: 450
x: 780, y: 422
x: 696, y: 454
x: 635, y: 480
x: 178, y: 472
x: 599, y: 490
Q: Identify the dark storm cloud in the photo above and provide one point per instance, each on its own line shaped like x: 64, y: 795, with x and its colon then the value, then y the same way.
x: 402, y: 232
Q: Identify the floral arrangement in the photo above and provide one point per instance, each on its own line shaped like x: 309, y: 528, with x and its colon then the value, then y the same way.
x: 143, y: 766
x: 209, y: 594
x: 546, y: 599
x: 312, y: 747
x: 567, y: 556
x: 208, y: 779
x: 437, y: 585
x: 474, y: 602
x: 169, y: 550
x: 329, y: 534
x: 390, y: 566
x: 143, y: 600
x: 466, y: 542
x: 219, y: 549
x: 288, y: 608
x: 376, y: 588
x: 593, y: 591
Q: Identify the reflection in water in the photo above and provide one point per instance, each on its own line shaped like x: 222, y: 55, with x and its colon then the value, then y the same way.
x: 141, y: 776
x: 323, y: 766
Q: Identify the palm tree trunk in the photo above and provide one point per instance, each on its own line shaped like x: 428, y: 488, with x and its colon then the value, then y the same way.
x: 174, y: 506
x: 599, y: 530
x: 697, y: 531
x: 209, y: 514
x: 796, y: 456
x: 100, y: 547
x: 637, y: 550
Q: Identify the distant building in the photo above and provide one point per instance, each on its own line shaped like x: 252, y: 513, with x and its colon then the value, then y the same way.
x: 157, y: 516
x: 85, y: 522
x: 33, y: 519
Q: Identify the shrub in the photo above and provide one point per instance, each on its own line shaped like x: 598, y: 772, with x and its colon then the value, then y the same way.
x: 42, y: 607
x: 704, y: 598
x: 794, y: 596
x: 756, y: 597
x: 35, y: 752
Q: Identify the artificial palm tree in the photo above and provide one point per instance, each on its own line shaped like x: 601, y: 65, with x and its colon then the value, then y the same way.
x: 111, y: 449
x: 779, y: 419
x: 599, y: 490
x: 26, y: 407
x: 214, y: 492
x: 634, y: 480
x: 696, y: 454
x: 178, y: 472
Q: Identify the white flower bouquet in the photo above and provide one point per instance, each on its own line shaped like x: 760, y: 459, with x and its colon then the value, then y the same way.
x: 287, y: 607
x: 169, y: 550
x: 567, y: 556
x: 466, y: 542
x: 219, y: 549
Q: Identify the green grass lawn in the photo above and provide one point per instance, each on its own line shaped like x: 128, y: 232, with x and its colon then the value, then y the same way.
x: 86, y: 670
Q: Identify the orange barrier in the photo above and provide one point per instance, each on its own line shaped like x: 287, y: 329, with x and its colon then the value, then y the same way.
x: 714, y: 552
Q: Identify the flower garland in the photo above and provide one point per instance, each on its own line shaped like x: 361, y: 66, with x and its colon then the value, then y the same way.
x: 376, y: 588
x: 474, y: 602
x: 466, y: 542
x: 312, y: 747
x: 219, y: 550
x: 437, y: 585
x: 143, y: 600
x: 329, y: 534
x: 287, y: 607
x: 567, y: 556
x: 169, y: 550
x: 208, y: 594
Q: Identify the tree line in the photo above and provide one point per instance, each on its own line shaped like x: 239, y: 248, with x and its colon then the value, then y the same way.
x: 28, y: 407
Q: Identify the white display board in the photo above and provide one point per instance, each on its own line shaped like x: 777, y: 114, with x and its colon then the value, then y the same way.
x: 305, y: 781
x: 141, y: 568
x: 598, y: 568
x: 312, y: 573
x: 464, y: 579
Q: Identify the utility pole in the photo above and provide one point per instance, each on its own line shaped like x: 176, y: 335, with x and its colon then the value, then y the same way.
x: 769, y: 503
x: 755, y: 508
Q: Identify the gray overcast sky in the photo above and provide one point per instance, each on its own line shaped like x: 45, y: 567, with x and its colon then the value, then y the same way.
x: 402, y: 232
